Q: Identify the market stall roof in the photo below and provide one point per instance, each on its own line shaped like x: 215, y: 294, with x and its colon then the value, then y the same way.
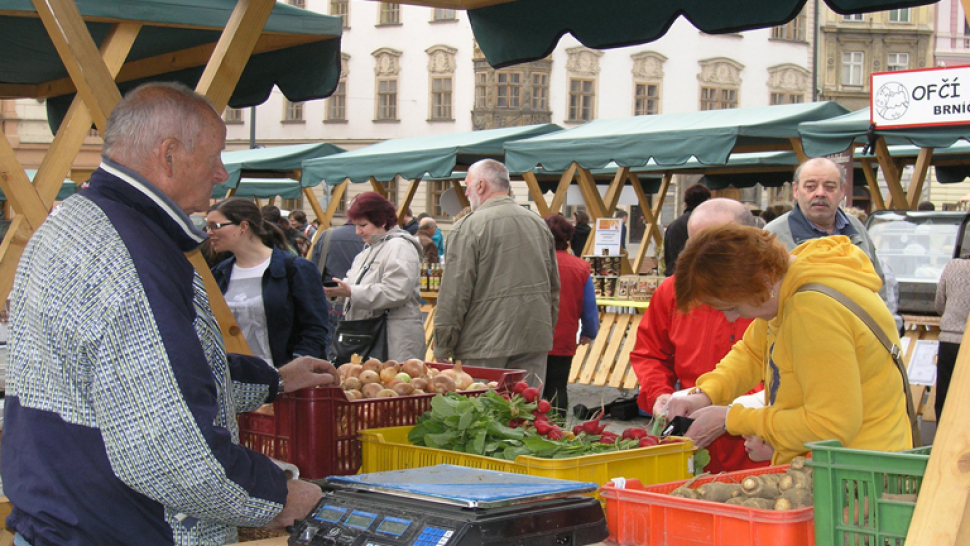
x: 527, y: 30
x: 835, y: 135
x: 262, y: 188
x: 667, y: 139
x: 277, y: 159
x: 417, y: 157
x: 176, y: 40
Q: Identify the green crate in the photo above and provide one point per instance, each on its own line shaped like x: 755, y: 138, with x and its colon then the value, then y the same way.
x: 849, y: 484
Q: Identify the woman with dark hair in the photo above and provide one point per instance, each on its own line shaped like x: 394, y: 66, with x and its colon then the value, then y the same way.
x: 577, y: 300
x: 578, y: 240
x: 826, y: 375
x: 676, y: 235
x: 276, y: 297
x: 385, y: 276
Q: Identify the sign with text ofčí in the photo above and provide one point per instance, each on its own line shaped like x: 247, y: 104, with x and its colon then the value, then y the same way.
x: 920, y: 98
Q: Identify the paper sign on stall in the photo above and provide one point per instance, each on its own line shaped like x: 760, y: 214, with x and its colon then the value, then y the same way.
x: 608, y: 236
x: 922, y: 365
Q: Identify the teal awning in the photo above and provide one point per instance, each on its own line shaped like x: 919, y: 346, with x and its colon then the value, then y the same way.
x: 263, y: 188
x: 666, y: 139
x: 299, y: 51
x: 835, y: 135
x: 278, y: 159
x: 434, y: 156
x: 528, y: 30
x: 67, y: 188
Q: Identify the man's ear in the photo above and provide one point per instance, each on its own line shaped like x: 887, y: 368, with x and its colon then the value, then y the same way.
x: 166, y: 152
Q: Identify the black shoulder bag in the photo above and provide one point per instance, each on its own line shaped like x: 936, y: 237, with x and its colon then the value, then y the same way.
x: 364, y: 337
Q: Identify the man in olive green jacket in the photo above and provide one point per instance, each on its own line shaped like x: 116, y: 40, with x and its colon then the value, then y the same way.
x: 499, y: 297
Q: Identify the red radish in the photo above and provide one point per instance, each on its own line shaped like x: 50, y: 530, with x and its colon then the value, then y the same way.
x: 593, y: 425
x: 530, y: 394
x: 577, y: 430
x: 506, y: 396
x: 540, y: 417
x: 634, y: 433
x: 555, y: 433
x: 519, y: 387
x: 666, y: 441
x: 649, y: 441
x: 608, y: 438
x: 544, y: 406
x: 542, y: 427
x: 513, y: 423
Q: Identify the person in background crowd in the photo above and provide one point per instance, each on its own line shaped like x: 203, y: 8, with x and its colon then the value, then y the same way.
x: 121, y: 402
x: 819, y: 186
x: 774, y: 211
x: 298, y: 222
x: 622, y: 215
x: 333, y: 254
x: 438, y: 237
x: 385, y: 276
x: 953, y: 305
x: 581, y: 233
x: 276, y: 297
x: 674, y: 349
x: 577, y: 305
x: 676, y: 235
x: 426, y: 230
x: 926, y: 206
x: 826, y: 375
x: 410, y: 223
x: 297, y: 243
x: 499, y: 297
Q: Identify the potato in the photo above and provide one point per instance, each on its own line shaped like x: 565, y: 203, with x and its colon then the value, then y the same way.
x: 414, y: 368
x: 370, y: 390
x: 403, y: 389
x: 386, y: 393
x: 391, y: 364
x: 373, y: 364
x: 354, y: 394
x: 441, y: 383
x: 369, y: 376
x: 351, y: 383
x: 419, y: 383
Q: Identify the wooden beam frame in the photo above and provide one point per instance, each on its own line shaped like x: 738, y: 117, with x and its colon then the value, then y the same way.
x: 594, y: 202
x: 460, y: 191
x: 651, y: 216
x: 536, y: 192
x: 891, y: 174
x: 336, y: 194
x: 873, y: 184
x: 562, y: 190
x: 919, y: 176
x: 318, y: 212
x: 408, y: 197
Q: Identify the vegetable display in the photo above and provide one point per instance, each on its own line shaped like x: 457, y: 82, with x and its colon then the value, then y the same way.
x: 789, y: 491
x: 376, y: 379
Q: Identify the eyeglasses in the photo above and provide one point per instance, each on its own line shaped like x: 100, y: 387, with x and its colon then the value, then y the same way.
x: 218, y: 226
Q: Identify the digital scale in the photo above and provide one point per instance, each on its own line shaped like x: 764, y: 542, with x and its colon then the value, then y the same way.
x: 448, y: 505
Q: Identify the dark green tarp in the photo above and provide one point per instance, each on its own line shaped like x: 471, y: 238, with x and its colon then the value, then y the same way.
x: 263, y: 188
x: 528, y: 30
x: 302, y: 72
x: 276, y: 159
x: 434, y: 156
x: 667, y: 139
x: 835, y: 135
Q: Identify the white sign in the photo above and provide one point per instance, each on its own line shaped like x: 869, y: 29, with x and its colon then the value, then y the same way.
x: 608, y: 236
x: 920, y: 98
x: 922, y: 364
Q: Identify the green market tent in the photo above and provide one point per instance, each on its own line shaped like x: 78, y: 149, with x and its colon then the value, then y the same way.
x: 668, y: 139
x: 527, y: 30
x: 173, y: 44
x: 279, y: 159
x: 414, y: 158
x: 262, y: 188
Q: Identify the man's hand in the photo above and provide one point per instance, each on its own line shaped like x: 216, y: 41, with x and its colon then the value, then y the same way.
x: 583, y: 340
x: 307, y: 371
x: 439, y: 360
x: 708, y: 425
x: 682, y: 406
x: 301, y: 497
x: 758, y: 449
x: 661, y: 402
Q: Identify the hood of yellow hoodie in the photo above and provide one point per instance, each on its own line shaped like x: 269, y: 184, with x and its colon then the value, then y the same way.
x: 833, y: 261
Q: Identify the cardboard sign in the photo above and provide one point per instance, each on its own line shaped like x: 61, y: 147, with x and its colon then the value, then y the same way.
x: 922, y: 365
x: 920, y: 98
x: 608, y: 236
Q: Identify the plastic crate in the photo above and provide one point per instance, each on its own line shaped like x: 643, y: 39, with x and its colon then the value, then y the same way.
x: 641, y: 515
x: 389, y: 449
x: 316, y: 429
x: 849, y: 484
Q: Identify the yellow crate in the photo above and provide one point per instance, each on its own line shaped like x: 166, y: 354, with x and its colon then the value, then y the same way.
x: 388, y: 449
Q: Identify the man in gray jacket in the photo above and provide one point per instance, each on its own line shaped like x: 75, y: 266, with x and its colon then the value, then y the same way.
x: 499, y: 297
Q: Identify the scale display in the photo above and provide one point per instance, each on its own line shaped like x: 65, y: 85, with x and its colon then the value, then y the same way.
x: 451, y: 506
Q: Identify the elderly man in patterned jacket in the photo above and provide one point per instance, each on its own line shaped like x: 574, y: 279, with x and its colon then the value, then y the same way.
x: 120, y: 418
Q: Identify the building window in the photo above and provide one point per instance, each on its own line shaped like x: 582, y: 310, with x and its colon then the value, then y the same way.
x: 293, y: 111
x: 897, y: 61
x: 340, y: 8
x: 581, y: 95
x: 481, y: 90
x: 443, y: 15
x: 435, y: 189
x: 233, y: 115
x: 852, y: 67
x: 508, y: 91
x: 646, y: 99
x: 787, y: 98
x: 390, y: 190
x: 794, y: 30
x: 714, y: 98
x: 337, y: 103
x: 441, y: 97
x: 298, y: 3
x: 387, y: 99
x: 390, y: 14
x: 854, y: 17
x: 540, y: 91
x: 899, y: 15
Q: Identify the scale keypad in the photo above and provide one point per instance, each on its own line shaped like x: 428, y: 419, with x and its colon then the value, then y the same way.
x: 433, y: 536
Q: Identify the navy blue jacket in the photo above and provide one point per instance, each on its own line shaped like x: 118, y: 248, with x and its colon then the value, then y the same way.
x: 296, y: 307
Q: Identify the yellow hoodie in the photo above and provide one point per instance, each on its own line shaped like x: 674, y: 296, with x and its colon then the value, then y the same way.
x: 826, y: 375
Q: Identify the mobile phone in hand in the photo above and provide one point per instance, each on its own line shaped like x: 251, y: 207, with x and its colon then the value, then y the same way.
x: 331, y: 284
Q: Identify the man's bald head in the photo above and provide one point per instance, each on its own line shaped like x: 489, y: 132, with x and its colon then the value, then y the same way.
x: 717, y: 212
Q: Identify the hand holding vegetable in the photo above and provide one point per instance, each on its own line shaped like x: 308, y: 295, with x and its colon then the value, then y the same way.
x: 708, y: 425
x: 660, y: 404
x: 683, y: 406
x: 306, y: 371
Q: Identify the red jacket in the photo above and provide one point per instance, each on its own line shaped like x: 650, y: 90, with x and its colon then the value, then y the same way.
x: 671, y: 345
x: 573, y: 274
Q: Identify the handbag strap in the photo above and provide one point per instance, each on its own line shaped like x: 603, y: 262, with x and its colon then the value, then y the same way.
x: 324, y: 250
x: 894, y: 350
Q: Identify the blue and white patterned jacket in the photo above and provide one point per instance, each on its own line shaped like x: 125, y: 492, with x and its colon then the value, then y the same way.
x: 120, y: 418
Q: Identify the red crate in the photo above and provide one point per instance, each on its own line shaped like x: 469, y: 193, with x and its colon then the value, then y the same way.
x: 639, y: 515
x: 316, y: 429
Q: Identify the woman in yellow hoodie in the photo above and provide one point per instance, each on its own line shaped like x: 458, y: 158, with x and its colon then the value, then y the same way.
x: 826, y: 375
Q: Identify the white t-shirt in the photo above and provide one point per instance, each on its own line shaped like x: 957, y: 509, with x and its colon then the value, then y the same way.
x: 245, y: 299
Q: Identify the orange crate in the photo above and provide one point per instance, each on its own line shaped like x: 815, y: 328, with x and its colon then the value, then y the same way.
x: 641, y: 515
x: 316, y: 429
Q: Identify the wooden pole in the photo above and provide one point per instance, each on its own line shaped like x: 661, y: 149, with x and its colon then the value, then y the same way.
x: 919, y: 176
x: 536, y: 192
x: 873, y: 183
x: 408, y: 198
x: 563, y: 189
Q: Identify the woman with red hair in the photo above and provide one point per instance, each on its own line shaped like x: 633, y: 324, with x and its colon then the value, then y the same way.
x: 826, y: 375
x: 385, y: 276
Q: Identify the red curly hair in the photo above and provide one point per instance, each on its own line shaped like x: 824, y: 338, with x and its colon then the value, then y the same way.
x: 730, y: 263
x: 374, y: 208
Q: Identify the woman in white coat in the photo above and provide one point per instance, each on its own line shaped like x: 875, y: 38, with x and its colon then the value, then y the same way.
x: 388, y: 270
